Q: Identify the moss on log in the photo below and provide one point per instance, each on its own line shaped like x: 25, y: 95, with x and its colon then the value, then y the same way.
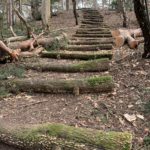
x: 48, y: 136
x: 78, y: 54
x: 86, y: 85
x: 89, y: 47
x: 88, y: 66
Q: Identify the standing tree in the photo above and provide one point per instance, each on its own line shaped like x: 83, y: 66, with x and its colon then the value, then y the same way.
x: 142, y: 15
x: 124, y: 14
x: 75, y: 11
x: 46, y: 13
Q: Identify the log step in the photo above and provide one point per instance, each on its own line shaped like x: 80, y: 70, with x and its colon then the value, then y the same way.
x: 90, y: 42
x: 58, y: 136
x: 97, y: 65
x: 86, y: 85
x: 93, y: 32
x: 93, y: 29
x: 92, y: 35
x: 92, y: 22
x: 89, y: 47
x: 78, y: 54
x: 92, y: 26
x: 88, y: 39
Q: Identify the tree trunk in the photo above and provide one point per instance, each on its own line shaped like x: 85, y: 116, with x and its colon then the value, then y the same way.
x: 35, y: 9
x: 75, y: 11
x: 67, y: 5
x: 50, y: 136
x: 46, y: 13
x: 142, y: 17
x: 125, y: 20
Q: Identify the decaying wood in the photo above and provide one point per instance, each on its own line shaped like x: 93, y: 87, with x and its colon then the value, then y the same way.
x: 87, y: 85
x: 123, y: 35
x: 78, y: 55
x: 88, y: 66
x: 50, y: 136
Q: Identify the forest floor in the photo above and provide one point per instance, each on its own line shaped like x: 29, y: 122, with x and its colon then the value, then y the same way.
x: 107, y: 112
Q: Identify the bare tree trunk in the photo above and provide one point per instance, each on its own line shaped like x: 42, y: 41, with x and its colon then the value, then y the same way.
x: 46, y: 13
x: 35, y: 5
x: 142, y: 17
x: 125, y: 19
x: 67, y: 5
x: 75, y: 11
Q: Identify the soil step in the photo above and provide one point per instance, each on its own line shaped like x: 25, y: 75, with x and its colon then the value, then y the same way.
x: 92, y: 35
x: 83, y: 55
x: 75, y: 86
x: 90, y: 42
x: 89, y: 47
x: 97, y: 65
x: 94, y: 20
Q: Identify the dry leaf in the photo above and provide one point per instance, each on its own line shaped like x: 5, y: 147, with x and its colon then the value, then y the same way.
x: 130, y: 118
x: 140, y: 116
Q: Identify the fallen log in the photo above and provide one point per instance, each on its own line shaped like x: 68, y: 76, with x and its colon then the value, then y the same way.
x: 45, y: 42
x: 78, y: 55
x: 93, y: 19
x: 88, y: 66
x: 122, y: 36
x: 93, y: 26
x: 88, y: 47
x: 50, y: 136
x: 35, y: 52
x: 87, y: 85
x: 14, y: 39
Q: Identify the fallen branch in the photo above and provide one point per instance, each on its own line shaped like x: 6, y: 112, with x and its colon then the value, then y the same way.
x: 87, y: 85
x: 50, y: 136
x: 88, y: 66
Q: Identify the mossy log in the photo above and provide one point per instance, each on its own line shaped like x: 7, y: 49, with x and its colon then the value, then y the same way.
x: 92, y: 35
x: 86, y: 85
x: 78, y: 54
x: 92, y: 26
x: 91, y: 42
x: 93, y: 19
x: 88, y: 47
x: 50, y: 136
x: 88, y: 66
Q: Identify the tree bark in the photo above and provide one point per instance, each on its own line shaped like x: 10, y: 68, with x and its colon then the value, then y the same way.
x: 87, y: 85
x: 142, y: 17
x: 75, y: 11
x: 88, y: 66
x: 35, y: 9
x: 50, y: 136
x: 78, y: 55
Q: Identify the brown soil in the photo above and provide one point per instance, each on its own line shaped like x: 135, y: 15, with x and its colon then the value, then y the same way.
x: 101, y: 111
